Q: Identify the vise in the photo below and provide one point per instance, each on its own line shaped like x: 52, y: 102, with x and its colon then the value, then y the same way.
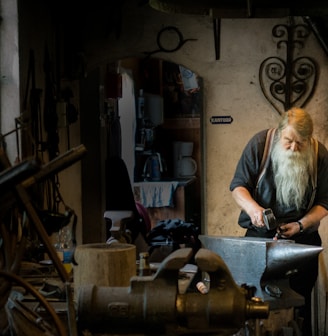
x: 263, y: 264
x: 154, y: 305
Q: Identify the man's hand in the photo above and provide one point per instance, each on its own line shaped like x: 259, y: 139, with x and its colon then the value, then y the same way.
x: 257, y: 217
x: 244, y: 199
x: 287, y: 230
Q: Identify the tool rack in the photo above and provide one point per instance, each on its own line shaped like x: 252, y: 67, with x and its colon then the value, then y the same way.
x: 15, y: 182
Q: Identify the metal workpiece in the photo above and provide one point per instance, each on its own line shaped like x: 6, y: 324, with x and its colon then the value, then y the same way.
x: 263, y: 264
x: 155, y: 304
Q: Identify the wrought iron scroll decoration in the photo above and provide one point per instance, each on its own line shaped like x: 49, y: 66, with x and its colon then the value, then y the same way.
x: 178, y: 38
x: 289, y: 82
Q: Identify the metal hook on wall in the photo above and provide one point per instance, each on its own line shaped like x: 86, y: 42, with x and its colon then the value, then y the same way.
x: 163, y: 37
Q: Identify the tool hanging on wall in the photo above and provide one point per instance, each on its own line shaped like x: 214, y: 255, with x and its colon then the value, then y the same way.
x: 67, y: 113
x: 33, y: 131
x: 55, y: 214
x: 50, y: 123
x: 55, y: 219
x: 50, y: 119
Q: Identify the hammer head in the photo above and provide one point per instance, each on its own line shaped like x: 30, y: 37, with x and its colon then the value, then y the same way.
x: 269, y: 219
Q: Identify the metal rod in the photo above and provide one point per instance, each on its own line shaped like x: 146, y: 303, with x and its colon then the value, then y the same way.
x: 59, y: 163
x: 217, y: 30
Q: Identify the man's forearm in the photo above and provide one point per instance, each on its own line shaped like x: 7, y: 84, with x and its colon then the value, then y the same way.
x: 313, y: 217
x: 244, y: 199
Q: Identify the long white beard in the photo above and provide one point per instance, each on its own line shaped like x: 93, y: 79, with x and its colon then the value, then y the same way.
x: 292, y: 171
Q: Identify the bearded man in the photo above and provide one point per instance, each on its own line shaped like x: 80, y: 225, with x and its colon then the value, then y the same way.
x: 294, y: 184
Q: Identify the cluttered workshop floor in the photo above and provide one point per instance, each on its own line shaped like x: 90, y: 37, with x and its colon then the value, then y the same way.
x: 23, y: 285
x: 26, y: 313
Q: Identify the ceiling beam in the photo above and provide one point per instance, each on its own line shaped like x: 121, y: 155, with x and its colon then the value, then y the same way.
x: 243, y: 8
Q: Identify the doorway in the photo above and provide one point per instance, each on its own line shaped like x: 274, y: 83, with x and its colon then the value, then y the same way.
x: 173, y: 104
x: 156, y: 78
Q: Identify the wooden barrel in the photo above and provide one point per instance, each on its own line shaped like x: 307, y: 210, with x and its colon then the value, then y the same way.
x: 104, y: 265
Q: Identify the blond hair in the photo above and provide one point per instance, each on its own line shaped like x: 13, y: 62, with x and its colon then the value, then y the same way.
x: 300, y: 120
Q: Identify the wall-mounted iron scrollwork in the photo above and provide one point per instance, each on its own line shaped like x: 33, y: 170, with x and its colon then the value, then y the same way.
x: 169, y: 39
x: 288, y: 82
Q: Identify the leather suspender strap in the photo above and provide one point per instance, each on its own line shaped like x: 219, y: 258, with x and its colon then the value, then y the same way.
x: 267, y: 149
x: 314, y: 176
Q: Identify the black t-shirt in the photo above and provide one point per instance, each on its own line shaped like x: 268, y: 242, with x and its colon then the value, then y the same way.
x: 248, y: 170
